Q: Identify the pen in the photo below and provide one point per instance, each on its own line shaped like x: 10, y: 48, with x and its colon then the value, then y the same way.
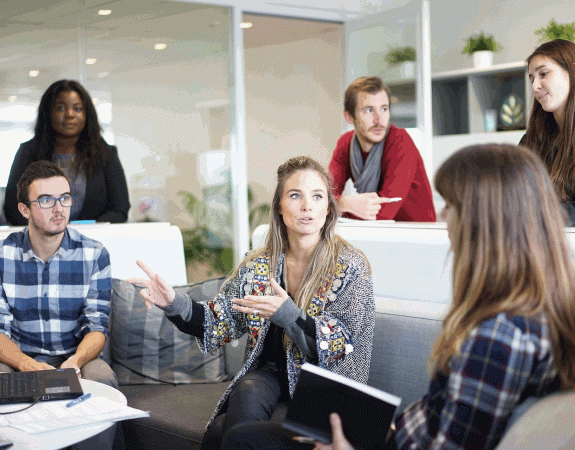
x: 79, y: 399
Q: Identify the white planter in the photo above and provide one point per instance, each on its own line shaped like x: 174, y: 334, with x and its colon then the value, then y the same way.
x: 483, y: 58
x: 407, y: 69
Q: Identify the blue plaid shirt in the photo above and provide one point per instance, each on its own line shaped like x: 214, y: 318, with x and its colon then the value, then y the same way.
x: 47, y: 308
x: 503, y: 361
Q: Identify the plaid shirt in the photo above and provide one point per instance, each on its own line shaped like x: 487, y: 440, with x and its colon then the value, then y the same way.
x: 503, y: 361
x: 47, y: 308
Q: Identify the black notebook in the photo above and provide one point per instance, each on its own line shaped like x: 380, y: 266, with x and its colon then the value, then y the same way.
x: 366, y: 412
x: 23, y: 387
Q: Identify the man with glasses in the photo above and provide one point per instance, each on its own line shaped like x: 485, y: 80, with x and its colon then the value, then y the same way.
x: 55, y: 285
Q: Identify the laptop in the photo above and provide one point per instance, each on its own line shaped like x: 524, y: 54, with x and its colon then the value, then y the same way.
x: 24, y: 387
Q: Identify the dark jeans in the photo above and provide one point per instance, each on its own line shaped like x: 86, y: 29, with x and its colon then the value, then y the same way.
x: 260, y: 436
x: 253, y: 399
x: 269, y: 436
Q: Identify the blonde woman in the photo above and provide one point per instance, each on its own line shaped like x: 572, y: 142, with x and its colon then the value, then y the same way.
x: 510, y: 332
x: 307, y: 296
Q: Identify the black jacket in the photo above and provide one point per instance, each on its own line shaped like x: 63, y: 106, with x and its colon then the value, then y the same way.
x: 106, y: 197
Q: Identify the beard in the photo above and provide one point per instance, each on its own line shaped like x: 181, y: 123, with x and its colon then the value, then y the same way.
x: 49, y: 228
x: 364, y: 134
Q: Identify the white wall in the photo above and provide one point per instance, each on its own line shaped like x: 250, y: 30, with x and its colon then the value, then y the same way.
x: 293, y: 105
x: 160, y: 131
x: 511, y: 22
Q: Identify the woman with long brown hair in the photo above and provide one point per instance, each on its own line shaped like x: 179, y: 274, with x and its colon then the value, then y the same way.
x: 551, y: 129
x: 510, y: 332
x: 306, y: 296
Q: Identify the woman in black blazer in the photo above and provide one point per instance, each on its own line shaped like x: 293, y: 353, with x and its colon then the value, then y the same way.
x: 67, y: 133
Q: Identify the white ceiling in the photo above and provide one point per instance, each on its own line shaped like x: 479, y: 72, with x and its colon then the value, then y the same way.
x: 56, y: 36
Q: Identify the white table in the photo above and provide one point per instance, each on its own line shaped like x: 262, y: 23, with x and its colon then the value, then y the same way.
x: 159, y: 245
x: 58, y: 439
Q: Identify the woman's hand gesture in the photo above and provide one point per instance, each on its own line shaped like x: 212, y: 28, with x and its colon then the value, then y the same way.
x: 261, y: 305
x: 156, y: 290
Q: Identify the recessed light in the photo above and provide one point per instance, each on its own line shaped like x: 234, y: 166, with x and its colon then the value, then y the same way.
x: 159, y: 46
x: 34, y: 73
x: 91, y: 61
x: 103, y: 74
x: 12, y: 98
x: 104, y: 12
x: 246, y: 25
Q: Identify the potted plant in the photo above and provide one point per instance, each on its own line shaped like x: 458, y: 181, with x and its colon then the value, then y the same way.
x: 405, y: 58
x: 208, y: 244
x: 555, y: 30
x: 481, y: 47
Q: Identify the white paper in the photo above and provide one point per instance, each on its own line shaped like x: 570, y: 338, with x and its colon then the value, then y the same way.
x: 53, y: 415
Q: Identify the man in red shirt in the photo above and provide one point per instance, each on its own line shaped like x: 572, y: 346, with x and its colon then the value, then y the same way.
x: 382, y: 160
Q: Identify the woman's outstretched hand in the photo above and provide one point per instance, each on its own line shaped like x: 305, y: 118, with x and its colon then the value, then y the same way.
x: 261, y: 305
x: 156, y: 290
x: 339, y: 441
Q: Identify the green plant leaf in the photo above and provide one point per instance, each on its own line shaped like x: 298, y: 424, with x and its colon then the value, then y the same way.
x: 555, y: 30
x: 400, y: 54
x: 481, y: 42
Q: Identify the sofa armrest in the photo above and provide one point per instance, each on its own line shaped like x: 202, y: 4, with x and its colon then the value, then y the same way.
x: 546, y: 424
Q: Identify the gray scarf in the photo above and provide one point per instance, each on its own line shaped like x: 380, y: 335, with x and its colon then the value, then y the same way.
x: 368, y: 173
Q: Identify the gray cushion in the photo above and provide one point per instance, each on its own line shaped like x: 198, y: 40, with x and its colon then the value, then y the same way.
x: 147, y: 348
x: 401, y: 350
x: 178, y: 414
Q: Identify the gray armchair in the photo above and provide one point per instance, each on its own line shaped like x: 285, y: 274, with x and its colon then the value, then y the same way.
x: 543, y: 424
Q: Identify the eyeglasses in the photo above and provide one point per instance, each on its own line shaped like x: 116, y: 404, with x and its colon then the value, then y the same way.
x: 49, y: 202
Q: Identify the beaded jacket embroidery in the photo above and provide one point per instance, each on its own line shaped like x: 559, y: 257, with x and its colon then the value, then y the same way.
x: 343, y: 310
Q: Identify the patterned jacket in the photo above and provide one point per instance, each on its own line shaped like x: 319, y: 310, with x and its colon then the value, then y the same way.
x: 343, y: 311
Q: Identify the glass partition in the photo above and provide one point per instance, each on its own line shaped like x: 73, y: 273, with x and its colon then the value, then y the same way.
x: 159, y: 74
x: 385, y: 46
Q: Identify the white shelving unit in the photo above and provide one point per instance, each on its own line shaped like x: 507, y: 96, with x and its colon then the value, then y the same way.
x: 461, y: 97
x: 403, y: 107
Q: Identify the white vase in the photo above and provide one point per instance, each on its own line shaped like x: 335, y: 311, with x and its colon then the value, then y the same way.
x: 483, y: 58
x: 407, y: 69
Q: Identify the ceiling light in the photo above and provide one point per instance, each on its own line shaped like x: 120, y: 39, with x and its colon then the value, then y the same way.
x: 103, y: 74
x: 159, y: 46
x: 246, y: 25
x: 91, y: 61
x: 12, y: 98
x: 104, y: 12
x: 34, y: 73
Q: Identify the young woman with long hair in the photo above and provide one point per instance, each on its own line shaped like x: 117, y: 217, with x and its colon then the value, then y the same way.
x: 551, y: 128
x: 68, y: 134
x: 306, y: 296
x: 510, y: 332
